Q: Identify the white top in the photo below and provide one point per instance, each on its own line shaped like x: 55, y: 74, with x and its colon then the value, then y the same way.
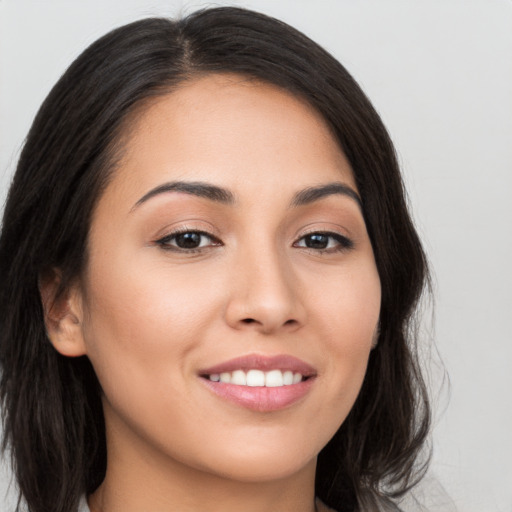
x: 83, y: 507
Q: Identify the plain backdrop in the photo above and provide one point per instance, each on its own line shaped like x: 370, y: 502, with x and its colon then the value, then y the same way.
x: 440, y: 74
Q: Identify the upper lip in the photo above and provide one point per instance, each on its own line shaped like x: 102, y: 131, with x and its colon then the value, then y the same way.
x: 262, y: 362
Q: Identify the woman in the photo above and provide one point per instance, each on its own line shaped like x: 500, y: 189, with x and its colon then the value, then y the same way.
x: 209, y: 275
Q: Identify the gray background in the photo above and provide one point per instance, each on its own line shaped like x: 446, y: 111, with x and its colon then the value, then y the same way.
x: 440, y: 74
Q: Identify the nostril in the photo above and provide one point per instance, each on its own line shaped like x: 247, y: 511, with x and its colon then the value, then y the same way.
x: 253, y: 321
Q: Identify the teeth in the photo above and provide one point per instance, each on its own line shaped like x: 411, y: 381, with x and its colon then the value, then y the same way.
x: 238, y: 377
x: 225, y: 377
x: 258, y: 378
x: 274, y: 379
x: 255, y: 378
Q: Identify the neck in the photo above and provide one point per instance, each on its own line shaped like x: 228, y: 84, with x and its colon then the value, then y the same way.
x: 137, y: 480
x: 197, y: 492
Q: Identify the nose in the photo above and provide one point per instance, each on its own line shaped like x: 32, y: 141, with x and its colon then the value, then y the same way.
x: 264, y: 295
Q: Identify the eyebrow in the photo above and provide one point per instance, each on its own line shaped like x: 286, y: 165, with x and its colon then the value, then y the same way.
x: 194, y: 188
x: 312, y: 194
x: 221, y: 195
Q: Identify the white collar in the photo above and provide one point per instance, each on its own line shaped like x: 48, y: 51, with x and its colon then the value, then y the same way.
x: 82, y: 506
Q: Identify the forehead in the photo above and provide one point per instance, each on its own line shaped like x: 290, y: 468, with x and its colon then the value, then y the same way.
x: 232, y: 131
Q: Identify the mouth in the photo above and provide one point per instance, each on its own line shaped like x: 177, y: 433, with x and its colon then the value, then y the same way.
x: 260, y: 383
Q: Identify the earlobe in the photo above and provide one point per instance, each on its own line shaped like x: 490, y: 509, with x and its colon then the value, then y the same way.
x: 63, y: 314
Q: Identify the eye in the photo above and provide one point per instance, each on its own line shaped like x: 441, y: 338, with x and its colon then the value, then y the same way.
x: 325, y: 241
x: 189, y: 240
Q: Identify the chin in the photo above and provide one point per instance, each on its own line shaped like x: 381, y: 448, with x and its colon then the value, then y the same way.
x: 263, y: 464
x: 265, y: 469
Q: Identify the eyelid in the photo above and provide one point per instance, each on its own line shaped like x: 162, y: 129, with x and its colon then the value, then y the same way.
x: 164, y: 239
x: 186, y: 225
x: 174, y: 234
x: 345, y: 243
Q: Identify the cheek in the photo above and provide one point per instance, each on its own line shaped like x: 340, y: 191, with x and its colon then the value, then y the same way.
x: 347, y: 305
x: 139, y: 323
x: 346, y: 316
x: 142, y: 332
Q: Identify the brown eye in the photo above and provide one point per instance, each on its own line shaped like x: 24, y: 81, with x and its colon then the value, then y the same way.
x: 325, y: 242
x: 188, y: 241
x: 317, y: 241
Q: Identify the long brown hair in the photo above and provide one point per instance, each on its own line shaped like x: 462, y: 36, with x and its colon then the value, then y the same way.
x: 52, y: 415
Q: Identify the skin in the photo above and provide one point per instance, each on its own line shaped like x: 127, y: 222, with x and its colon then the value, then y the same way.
x: 150, y: 316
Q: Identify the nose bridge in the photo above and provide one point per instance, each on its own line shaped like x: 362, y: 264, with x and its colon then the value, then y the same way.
x: 264, y: 294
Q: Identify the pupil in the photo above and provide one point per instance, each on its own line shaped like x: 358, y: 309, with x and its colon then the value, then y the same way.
x: 188, y: 240
x: 317, y: 241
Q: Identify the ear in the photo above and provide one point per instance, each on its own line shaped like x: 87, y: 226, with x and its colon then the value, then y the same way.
x: 63, y: 314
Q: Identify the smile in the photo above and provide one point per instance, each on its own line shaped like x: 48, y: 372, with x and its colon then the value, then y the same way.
x: 255, y: 378
x: 260, y: 383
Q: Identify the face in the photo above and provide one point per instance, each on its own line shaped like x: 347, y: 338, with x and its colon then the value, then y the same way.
x: 231, y: 294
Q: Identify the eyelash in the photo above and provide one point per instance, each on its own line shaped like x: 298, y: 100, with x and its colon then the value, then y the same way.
x: 165, y: 244
x: 342, y: 242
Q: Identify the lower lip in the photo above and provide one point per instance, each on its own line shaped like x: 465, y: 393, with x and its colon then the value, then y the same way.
x: 261, y: 398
